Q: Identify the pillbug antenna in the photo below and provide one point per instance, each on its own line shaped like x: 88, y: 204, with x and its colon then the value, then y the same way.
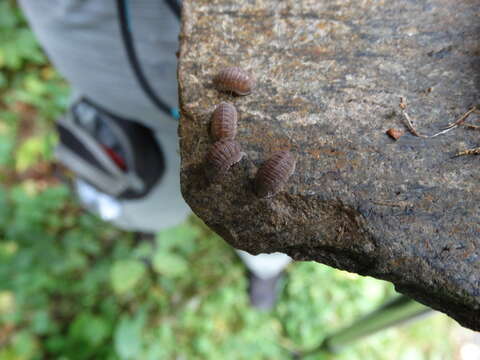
x: 125, y: 31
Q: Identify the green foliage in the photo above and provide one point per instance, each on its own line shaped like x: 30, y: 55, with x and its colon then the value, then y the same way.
x: 79, y: 289
x: 126, y: 274
x: 18, y: 46
x: 32, y: 94
x: 73, y: 287
x: 128, y: 336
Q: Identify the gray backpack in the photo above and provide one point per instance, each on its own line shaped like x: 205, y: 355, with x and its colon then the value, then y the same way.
x: 117, y: 156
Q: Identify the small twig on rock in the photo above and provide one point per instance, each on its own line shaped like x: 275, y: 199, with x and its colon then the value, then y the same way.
x: 410, y: 126
x: 474, y: 151
x: 446, y: 129
x: 442, y: 132
x: 473, y: 127
x: 409, y: 123
x: 461, y: 119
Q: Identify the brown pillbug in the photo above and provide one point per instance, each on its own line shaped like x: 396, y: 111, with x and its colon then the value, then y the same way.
x: 274, y: 173
x: 235, y: 80
x: 222, y: 155
x: 224, y: 122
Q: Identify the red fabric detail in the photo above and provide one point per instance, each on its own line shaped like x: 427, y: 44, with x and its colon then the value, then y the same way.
x: 117, y: 159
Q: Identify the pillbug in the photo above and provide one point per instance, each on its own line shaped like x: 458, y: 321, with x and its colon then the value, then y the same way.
x: 235, y: 80
x: 224, y: 122
x: 274, y: 173
x: 222, y: 155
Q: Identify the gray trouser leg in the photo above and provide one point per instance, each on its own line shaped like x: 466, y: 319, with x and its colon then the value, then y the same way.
x: 265, y: 265
x: 82, y: 39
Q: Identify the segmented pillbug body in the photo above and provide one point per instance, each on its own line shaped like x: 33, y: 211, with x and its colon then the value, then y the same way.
x: 274, y: 173
x: 234, y: 79
x: 222, y: 155
x: 224, y: 122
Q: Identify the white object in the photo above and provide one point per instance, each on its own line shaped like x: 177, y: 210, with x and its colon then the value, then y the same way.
x: 265, y: 266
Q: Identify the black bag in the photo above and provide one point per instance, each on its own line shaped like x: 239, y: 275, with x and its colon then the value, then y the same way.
x: 118, y: 156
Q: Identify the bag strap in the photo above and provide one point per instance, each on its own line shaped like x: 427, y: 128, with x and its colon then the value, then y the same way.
x: 90, y: 173
x: 95, y: 166
x: 127, y: 38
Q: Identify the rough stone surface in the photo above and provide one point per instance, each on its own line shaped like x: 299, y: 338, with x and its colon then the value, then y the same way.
x: 329, y: 78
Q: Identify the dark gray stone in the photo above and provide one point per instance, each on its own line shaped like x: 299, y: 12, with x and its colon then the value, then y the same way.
x: 329, y: 78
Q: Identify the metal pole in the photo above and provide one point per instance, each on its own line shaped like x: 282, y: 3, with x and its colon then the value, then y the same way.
x: 395, y: 312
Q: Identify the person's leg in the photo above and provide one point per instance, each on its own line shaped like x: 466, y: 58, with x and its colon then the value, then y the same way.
x: 84, y: 42
x: 265, y: 266
x: 265, y: 275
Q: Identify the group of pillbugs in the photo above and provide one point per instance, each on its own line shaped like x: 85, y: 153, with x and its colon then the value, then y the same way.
x: 226, y: 152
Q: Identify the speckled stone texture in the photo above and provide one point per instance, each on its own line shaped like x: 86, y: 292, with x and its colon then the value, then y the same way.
x: 329, y: 78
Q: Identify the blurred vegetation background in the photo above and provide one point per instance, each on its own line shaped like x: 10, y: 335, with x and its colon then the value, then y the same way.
x: 73, y: 287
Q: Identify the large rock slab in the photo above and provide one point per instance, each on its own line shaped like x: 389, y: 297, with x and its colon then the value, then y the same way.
x: 330, y: 75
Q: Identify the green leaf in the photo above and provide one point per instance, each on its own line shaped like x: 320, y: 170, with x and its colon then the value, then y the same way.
x: 41, y: 322
x: 89, y: 329
x: 128, y: 340
x: 154, y: 352
x: 169, y: 264
x: 3, y: 80
x: 35, y: 85
x: 125, y: 274
x: 24, y: 344
x: 7, y: 144
x: 4, y: 208
x: 29, y: 153
x: 182, y: 236
x: 8, y: 20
